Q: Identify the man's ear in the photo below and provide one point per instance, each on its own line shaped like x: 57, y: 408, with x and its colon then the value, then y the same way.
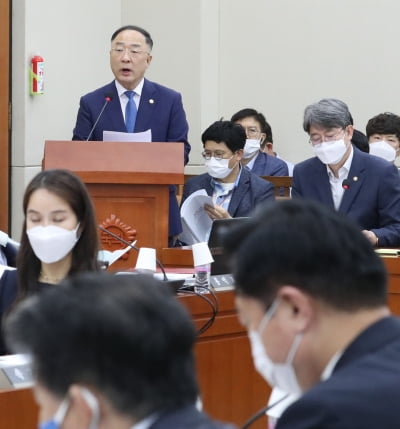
x: 269, y: 148
x: 84, y: 408
x: 299, y: 305
x: 239, y: 154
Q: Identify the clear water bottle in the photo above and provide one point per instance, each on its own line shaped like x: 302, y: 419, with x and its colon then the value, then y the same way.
x: 202, y: 278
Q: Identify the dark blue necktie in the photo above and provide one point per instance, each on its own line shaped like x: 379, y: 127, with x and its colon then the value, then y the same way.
x: 130, y: 112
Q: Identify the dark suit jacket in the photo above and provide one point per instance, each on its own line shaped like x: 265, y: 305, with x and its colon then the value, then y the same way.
x: 267, y: 165
x: 363, y: 391
x: 187, y: 418
x: 160, y: 109
x: 251, y: 191
x: 10, y: 252
x: 372, y: 200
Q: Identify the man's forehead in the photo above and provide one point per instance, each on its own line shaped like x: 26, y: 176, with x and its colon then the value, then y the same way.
x: 130, y: 37
x: 320, y: 129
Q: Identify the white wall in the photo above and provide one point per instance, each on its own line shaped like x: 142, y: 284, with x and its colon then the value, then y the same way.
x: 222, y: 55
x: 73, y: 38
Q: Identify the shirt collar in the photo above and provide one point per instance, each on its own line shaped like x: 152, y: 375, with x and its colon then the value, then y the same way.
x: 327, y: 372
x: 145, y: 423
x: 121, y: 90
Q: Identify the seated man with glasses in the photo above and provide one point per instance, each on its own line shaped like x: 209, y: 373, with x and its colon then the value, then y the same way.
x: 259, y: 134
x: 361, y: 186
x: 235, y: 190
x: 132, y: 103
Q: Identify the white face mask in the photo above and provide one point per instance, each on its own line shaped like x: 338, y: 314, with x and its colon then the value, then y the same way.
x: 281, y: 375
x: 51, y: 243
x: 218, y: 169
x: 251, y: 147
x: 330, y: 152
x: 59, y: 416
x: 383, y: 149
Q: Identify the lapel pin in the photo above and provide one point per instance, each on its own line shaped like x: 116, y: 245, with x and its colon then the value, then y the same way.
x: 355, y: 178
x: 151, y: 101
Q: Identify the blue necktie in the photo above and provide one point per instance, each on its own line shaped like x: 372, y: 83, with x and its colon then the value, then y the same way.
x: 130, y: 112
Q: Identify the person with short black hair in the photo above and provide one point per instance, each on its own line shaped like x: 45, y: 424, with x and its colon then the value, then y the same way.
x: 312, y: 293
x: 364, y: 187
x: 235, y: 190
x: 383, y: 132
x: 259, y: 135
x: 121, y: 358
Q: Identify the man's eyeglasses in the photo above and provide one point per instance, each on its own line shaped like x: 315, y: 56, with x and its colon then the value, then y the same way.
x: 216, y: 155
x: 328, y: 137
x: 252, y: 131
x: 132, y: 52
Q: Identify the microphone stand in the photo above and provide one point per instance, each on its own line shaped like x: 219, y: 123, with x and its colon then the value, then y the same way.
x: 160, y: 265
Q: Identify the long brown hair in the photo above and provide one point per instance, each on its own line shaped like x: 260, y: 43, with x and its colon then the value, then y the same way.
x: 71, y: 189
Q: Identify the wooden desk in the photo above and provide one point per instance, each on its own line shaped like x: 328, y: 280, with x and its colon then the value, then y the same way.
x: 231, y: 389
x: 393, y: 268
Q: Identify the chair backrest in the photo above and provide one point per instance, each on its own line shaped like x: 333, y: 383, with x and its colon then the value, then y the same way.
x: 282, y: 185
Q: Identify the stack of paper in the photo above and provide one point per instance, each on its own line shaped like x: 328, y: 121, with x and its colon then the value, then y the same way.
x: 196, y: 224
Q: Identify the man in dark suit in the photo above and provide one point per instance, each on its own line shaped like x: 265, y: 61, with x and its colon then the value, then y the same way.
x: 364, y: 187
x: 312, y: 293
x: 235, y: 190
x: 258, y: 133
x: 152, y: 106
x: 123, y: 360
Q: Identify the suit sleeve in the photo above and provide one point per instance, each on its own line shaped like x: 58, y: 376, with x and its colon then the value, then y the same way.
x: 84, y: 121
x: 296, y: 189
x: 178, y: 126
x: 267, y: 194
x: 389, y: 208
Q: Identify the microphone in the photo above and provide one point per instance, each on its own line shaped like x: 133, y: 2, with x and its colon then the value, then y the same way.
x: 108, y: 96
x: 165, y: 278
x: 346, y: 184
x: 261, y: 412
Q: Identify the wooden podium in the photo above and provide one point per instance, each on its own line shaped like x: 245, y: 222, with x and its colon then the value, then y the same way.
x: 129, y: 186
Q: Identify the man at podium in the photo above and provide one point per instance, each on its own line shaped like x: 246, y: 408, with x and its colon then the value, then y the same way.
x: 132, y: 103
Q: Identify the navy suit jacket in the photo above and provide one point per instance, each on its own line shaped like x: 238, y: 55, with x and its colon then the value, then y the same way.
x: 250, y: 192
x: 267, y: 165
x: 185, y: 418
x: 372, y: 200
x: 10, y: 252
x: 160, y: 109
x: 363, y: 391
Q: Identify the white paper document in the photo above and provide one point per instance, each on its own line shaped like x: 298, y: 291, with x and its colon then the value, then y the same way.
x: 116, y: 136
x: 112, y: 256
x: 196, y: 224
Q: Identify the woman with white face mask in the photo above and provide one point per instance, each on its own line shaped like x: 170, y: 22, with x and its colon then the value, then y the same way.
x: 59, y: 237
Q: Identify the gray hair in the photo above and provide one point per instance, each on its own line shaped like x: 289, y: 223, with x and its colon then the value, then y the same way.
x: 327, y: 113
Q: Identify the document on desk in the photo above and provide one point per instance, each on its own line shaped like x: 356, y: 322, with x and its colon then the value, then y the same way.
x: 115, y: 136
x: 196, y: 224
x: 111, y: 256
